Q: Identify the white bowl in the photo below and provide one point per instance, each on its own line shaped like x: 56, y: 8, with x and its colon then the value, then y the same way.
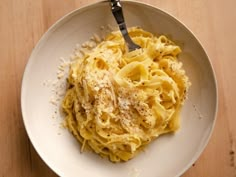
x: 168, y: 156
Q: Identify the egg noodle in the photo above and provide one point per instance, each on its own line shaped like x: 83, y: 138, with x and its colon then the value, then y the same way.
x: 117, y: 101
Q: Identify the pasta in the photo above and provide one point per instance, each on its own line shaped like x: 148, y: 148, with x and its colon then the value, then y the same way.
x: 117, y: 102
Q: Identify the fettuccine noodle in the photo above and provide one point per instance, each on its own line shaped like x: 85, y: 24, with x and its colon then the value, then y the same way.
x: 117, y: 102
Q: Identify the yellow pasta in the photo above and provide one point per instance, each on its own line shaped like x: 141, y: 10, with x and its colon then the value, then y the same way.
x: 117, y: 102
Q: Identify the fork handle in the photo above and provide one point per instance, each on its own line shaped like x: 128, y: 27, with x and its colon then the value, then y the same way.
x: 117, y: 12
x: 116, y: 9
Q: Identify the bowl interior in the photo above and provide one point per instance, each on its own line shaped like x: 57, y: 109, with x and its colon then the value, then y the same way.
x: 169, y: 155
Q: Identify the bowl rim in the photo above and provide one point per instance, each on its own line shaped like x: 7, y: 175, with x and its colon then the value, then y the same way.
x: 60, y: 22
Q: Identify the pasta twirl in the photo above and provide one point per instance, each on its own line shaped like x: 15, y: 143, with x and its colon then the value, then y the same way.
x: 117, y: 102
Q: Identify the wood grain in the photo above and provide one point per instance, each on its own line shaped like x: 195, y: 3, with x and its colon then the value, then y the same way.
x: 23, y: 22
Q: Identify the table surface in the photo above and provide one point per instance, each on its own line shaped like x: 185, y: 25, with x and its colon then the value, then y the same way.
x: 23, y: 22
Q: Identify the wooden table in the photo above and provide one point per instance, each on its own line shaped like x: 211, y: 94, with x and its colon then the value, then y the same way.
x: 23, y: 22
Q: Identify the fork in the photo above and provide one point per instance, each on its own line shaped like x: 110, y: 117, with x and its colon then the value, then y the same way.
x: 116, y: 9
